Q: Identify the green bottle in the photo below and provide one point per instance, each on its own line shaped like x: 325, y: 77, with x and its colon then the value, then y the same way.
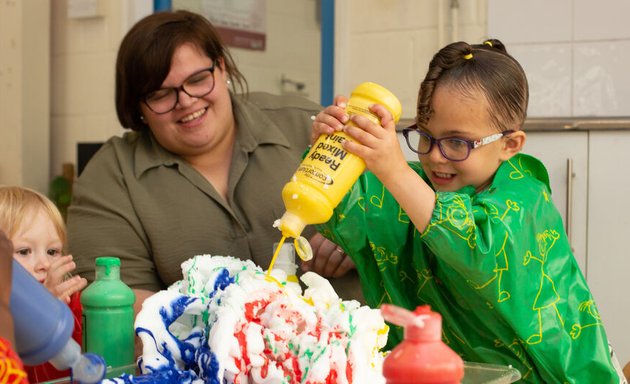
x: 108, y: 316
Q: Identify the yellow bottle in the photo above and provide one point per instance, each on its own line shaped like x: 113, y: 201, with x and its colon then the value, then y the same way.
x: 328, y: 171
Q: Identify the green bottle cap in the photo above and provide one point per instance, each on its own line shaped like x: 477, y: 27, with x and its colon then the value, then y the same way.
x: 107, y: 261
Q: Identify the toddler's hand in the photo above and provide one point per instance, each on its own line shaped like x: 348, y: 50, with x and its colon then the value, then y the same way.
x: 56, y: 281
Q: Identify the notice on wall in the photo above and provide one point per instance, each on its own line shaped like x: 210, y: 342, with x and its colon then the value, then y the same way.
x: 241, y: 23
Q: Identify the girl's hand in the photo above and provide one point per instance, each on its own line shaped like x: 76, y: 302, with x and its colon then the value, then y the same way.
x: 331, y: 119
x: 377, y: 145
x: 329, y: 260
x: 56, y: 281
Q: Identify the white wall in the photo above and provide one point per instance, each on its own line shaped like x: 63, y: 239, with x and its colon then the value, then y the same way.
x: 391, y: 42
x: 24, y: 93
x: 575, y: 53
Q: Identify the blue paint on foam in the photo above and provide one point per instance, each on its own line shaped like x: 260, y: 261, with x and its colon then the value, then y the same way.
x: 199, y: 360
x: 222, y: 281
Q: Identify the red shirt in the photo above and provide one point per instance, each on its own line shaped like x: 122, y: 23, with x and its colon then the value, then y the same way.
x: 46, y: 372
x: 11, y: 368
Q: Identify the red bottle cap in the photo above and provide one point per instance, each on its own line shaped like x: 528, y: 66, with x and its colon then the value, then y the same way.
x: 421, y: 357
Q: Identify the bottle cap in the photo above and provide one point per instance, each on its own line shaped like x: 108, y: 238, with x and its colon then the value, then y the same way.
x: 303, y: 248
x: 379, y: 95
x: 107, y: 261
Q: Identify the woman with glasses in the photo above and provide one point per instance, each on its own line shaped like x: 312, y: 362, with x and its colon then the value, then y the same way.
x: 471, y: 229
x: 202, y: 170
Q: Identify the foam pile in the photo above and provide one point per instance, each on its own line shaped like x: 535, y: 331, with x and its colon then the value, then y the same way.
x: 227, y: 321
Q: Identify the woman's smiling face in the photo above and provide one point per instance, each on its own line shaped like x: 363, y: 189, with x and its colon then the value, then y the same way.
x: 196, y: 125
x: 466, y: 117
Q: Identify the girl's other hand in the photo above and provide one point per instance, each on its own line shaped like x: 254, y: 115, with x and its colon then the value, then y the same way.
x: 377, y: 144
x: 331, y: 119
x: 56, y: 281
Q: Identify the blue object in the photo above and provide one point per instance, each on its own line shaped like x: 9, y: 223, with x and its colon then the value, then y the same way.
x: 328, y: 52
x: 43, y: 328
x: 162, y: 5
x: 43, y: 324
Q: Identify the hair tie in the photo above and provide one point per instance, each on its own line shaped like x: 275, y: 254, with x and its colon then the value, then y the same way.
x: 468, y: 56
x: 488, y: 42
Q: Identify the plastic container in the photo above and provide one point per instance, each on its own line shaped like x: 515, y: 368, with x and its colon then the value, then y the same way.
x: 111, y: 373
x: 43, y: 329
x: 422, y: 357
x: 286, y: 263
x: 480, y: 373
x: 328, y: 171
x: 108, y: 315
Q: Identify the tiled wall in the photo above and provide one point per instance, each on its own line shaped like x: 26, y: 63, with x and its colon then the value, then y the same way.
x: 82, y: 81
x: 24, y: 93
x: 391, y: 42
x: 575, y: 53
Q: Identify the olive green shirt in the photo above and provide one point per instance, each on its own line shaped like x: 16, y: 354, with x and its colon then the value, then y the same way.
x: 147, y: 206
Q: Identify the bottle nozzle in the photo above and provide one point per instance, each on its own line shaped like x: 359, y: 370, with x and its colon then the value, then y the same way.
x: 401, y: 316
x: 88, y: 368
x: 290, y: 225
x: 421, y: 324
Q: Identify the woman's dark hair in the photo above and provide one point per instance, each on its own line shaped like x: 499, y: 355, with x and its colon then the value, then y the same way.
x: 483, y: 67
x: 144, y: 58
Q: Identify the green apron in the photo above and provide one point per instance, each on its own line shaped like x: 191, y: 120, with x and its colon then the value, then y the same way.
x: 496, y: 265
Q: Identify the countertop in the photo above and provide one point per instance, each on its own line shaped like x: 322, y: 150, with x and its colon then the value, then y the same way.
x: 556, y: 124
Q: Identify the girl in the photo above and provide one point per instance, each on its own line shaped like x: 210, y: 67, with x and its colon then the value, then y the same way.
x: 36, y: 228
x: 470, y: 230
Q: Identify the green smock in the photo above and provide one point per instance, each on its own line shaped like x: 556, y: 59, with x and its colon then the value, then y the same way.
x: 496, y: 264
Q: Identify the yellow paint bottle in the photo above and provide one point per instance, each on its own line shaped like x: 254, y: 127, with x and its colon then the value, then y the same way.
x: 328, y: 171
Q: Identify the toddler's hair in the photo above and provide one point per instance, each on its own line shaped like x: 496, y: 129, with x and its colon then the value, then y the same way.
x: 18, y: 205
x: 487, y: 68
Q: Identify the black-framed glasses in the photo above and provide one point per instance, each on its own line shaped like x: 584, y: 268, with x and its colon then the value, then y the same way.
x: 197, y: 85
x: 452, y: 148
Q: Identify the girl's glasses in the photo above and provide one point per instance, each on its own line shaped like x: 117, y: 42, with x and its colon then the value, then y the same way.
x: 452, y: 148
x: 197, y: 85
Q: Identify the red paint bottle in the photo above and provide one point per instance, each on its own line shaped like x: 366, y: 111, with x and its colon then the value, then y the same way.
x: 422, y: 357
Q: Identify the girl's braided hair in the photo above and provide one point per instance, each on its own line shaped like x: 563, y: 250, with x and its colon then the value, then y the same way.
x: 487, y: 68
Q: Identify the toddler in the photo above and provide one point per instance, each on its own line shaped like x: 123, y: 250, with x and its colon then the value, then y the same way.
x: 36, y: 228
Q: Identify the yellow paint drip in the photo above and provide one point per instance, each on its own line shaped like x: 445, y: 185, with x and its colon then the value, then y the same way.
x: 275, y: 255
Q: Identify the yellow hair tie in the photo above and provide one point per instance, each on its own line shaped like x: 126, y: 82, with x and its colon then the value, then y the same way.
x: 468, y: 56
x: 488, y: 43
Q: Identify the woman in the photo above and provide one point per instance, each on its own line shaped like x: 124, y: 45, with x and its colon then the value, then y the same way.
x: 202, y: 170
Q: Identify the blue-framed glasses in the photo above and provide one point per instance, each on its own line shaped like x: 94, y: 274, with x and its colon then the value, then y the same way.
x: 452, y: 148
x: 197, y: 85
